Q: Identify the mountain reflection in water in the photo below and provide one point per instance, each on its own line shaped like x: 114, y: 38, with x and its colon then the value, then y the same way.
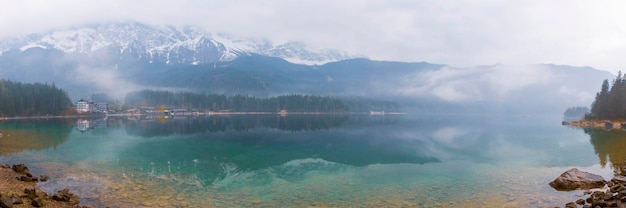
x: 259, y: 141
x: 314, y: 158
x: 159, y: 126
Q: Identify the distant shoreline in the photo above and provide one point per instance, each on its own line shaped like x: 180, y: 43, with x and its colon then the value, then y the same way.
x: 196, y: 114
x: 598, y: 124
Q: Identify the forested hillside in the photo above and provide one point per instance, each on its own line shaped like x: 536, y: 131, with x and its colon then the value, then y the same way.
x: 244, y: 103
x: 239, y: 103
x: 25, y: 99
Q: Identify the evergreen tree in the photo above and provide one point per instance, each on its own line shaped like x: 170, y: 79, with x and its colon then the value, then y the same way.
x: 240, y: 103
x: 599, y: 106
x: 610, y: 102
x: 19, y: 99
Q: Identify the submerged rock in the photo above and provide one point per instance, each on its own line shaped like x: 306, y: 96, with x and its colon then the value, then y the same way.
x: 575, y: 179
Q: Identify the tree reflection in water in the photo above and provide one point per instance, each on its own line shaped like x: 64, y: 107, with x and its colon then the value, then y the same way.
x: 157, y: 126
x: 609, y: 145
x: 33, y: 134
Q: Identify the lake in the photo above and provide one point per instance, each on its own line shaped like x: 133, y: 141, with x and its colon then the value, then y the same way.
x: 311, y: 160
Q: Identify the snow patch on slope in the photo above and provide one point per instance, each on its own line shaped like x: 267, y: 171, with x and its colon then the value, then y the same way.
x: 167, y: 44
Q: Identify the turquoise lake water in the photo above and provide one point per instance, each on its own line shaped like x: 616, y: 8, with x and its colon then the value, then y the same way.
x: 311, y: 160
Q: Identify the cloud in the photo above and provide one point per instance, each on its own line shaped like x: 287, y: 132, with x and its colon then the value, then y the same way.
x: 474, y: 83
x: 104, y: 79
x: 458, y: 33
x: 578, y: 95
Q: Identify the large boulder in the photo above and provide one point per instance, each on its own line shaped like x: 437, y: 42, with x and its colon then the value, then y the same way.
x: 575, y: 179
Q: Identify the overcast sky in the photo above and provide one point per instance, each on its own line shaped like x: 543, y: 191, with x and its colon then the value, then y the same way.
x: 457, y: 33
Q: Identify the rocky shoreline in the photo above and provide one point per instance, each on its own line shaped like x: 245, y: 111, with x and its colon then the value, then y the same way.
x: 600, y: 193
x: 18, y: 188
x: 597, y: 124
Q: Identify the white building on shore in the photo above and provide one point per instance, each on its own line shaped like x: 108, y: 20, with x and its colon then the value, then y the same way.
x: 83, y: 106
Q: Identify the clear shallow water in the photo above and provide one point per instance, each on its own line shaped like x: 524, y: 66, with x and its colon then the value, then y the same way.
x: 300, y: 161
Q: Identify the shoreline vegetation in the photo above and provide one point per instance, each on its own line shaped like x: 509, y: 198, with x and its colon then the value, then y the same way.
x: 24, y: 100
x: 210, y: 113
x: 608, y: 110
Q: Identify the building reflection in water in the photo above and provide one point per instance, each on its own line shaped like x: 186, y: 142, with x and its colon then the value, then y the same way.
x: 83, y: 125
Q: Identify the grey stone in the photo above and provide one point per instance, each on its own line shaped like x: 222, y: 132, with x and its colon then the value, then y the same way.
x: 570, y: 205
x: 37, y: 202
x: 575, y: 179
x: 62, y: 195
x: 6, y: 202
x: 20, y: 168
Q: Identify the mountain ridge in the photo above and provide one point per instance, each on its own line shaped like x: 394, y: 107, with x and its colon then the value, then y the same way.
x: 167, y: 44
x: 193, y: 60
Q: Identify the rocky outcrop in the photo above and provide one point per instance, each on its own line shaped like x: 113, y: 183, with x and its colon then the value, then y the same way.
x: 23, y: 192
x: 575, y: 179
x: 27, y: 176
x: 613, y: 196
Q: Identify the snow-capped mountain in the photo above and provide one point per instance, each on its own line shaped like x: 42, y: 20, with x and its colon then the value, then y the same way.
x: 166, y: 44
